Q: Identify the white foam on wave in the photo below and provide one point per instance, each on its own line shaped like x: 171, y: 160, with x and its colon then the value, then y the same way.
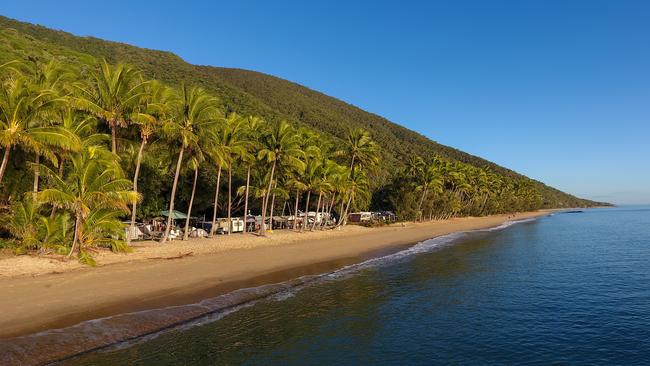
x: 508, y: 224
x: 124, y: 330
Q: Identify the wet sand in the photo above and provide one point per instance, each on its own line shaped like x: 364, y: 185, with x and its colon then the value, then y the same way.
x: 35, y: 302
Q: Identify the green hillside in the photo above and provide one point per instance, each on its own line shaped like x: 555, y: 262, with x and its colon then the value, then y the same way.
x: 250, y: 93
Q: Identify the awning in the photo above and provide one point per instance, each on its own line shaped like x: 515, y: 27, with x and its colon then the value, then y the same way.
x: 176, y: 215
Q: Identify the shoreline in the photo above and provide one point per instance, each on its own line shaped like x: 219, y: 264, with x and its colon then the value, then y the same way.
x: 47, y: 301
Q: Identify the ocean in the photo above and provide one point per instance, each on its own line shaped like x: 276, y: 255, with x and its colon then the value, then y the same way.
x: 566, y: 289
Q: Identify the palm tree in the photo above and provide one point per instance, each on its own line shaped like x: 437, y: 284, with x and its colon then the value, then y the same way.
x: 280, y: 147
x: 310, y: 146
x: 314, y: 175
x: 111, y: 96
x: 20, y: 106
x: 326, y: 169
x: 194, y: 165
x: 51, y: 76
x: 236, y: 146
x: 253, y: 125
x: 256, y: 186
x: 295, y: 183
x: 219, y: 155
x: 193, y: 116
x: 94, y: 183
x: 363, y: 154
x: 336, y: 181
x: 23, y: 222
x: 277, y: 191
x: 430, y: 181
x: 152, y: 112
x: 414, y: 167
x: 361, y: 149
x: 357, y: 187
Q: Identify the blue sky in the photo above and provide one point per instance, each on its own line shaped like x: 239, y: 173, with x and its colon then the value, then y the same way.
x: 557, y: 90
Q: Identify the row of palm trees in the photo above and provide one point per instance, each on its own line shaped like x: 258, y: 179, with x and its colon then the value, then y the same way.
x: 443, y: 188
x: 55, y: 121
x: 84, y: 138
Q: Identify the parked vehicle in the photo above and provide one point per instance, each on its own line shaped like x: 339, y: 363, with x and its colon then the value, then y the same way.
x: 360, y: 217
x: 236, y: 225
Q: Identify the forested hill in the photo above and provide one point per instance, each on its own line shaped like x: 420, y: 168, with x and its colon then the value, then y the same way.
x: 247, y: 93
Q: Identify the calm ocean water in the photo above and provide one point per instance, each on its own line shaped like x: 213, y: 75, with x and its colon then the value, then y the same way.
x: 567, y: 289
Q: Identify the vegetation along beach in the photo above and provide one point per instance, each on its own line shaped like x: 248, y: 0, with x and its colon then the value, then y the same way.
x: 144, y: 198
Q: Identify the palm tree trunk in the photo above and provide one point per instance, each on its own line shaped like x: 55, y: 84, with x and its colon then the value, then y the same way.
x: 313, y: 226
x: 329, y: 211
x: 306, y: 220
x: 216, y: 201
x: 271, y: 211
x: 5, y: 161
x: 295, y: 214
x: 75, y: 239
x: 272, y: 206
x: 37, y: 172
x: 344, y: 219
x: 326, y: 205
x: 248, y: 180
x: 60, y: 175
x: 424, y: 193
x: 485, y: 198
x: 186, y: 234
x: 341, y: 212
x: 113, y: 139
x: 229, y: 198
x: 135, y: 188
x: 265, y: 202
x: 171, y: 200
x: 324, y: 216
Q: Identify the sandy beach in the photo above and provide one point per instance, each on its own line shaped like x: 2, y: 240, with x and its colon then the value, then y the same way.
x: 40, y: 293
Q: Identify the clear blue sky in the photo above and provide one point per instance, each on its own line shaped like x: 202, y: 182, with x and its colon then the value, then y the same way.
x: 557, y: 90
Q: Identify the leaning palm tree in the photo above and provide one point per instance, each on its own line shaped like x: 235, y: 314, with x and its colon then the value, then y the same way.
x: 152, y: 111
x: 193, y: 116
x: 280, y: 147
x: 357, y: 188
x: 194, y: 163
x: 111, y: 96
x: 20, y: 106
x: 94, y: 183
